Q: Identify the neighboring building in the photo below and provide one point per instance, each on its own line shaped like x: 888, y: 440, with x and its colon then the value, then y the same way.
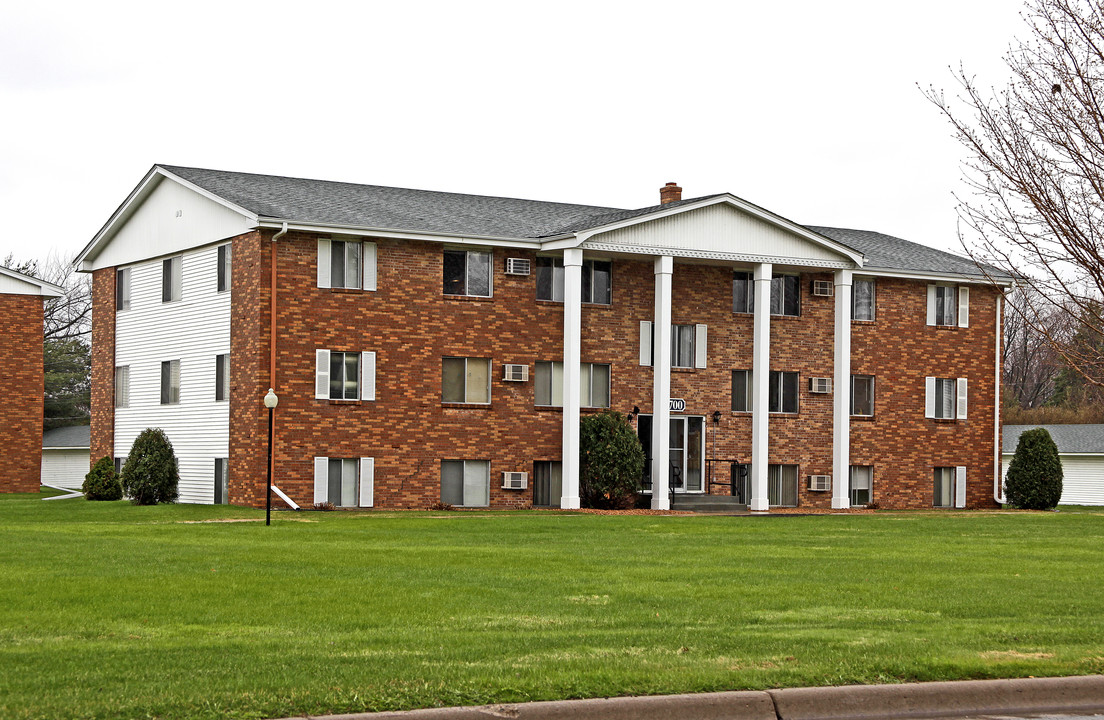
x: 1081, y: 450
x: 21, y: 378
x: 431, y: 346
x: 65, y: 456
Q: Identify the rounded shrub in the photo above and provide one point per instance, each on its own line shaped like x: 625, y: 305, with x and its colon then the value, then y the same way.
x: 150, y: 475
x: 102, y: 482
x: 611, y: 462
x: 1034, y: 480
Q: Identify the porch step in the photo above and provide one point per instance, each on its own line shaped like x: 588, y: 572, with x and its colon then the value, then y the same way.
x: 707, y: 503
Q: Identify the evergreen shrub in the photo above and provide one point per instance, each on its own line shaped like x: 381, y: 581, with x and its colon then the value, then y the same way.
x: 1034, y: 480
x: 150, y: 474
x: 102, y: 482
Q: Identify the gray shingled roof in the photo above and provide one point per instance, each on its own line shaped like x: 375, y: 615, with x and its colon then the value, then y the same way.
x: 75, y: 436
x: 1068, y: 438
x: 324, y: 202
x: 375, y: 206
x: 885, y: 252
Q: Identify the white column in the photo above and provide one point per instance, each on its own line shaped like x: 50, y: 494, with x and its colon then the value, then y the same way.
x: 661, y: 384
x: 841, y: 399
x: 572, y: 349
x: 760, y: 387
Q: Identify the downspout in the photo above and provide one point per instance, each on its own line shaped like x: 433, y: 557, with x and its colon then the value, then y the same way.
x: 998, y: 484
x: 272, y: 344
x: 272, y: 309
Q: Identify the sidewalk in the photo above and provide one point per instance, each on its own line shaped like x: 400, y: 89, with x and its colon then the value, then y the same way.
x: 1026, y: 696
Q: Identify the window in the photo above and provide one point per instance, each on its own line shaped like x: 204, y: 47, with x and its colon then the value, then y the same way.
x: 119, y: 465
x: 949, y: 305
x: 741, y: 390
x: 224, y: 260
x: 222, y: 378
x: 465, y: 380
x: 682, y: 346
x: 222, y: 481
x: 783, y: 392
x: 171, y: 279
x: 344, y: 375
x: 170, y: 382
x: 782, y: 485
x: 945, y: 398
x: 743, y: 292
x: 467, y: 272
x: 597, y: 284
x: 122, y: 386
x: 122, y: 289
x: 547, y: 483
x: 688, y: 345
x: 344, y: 482
x: 346, y: 264
x: 862, y: 299
x: 943, y: 487
x: 785, y: 295
x: 465, y: 483
x: 594, y: 384
x: 862, y: 395
x: 862, y: 482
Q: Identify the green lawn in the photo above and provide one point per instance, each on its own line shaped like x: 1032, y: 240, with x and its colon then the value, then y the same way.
x: 110, y: 610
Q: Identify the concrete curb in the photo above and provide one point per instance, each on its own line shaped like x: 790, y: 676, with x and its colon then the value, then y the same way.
x: 1084, y: 694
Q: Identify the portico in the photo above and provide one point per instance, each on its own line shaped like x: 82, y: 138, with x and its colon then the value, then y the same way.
x: 719, y: 232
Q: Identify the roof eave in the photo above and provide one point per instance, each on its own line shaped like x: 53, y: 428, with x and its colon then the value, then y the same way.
x: 397, y: 233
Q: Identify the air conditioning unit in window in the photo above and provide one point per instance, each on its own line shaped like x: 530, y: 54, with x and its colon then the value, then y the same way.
x: 820, y: 483
x: 515, y: 373
x: 515, y: 480
x: 822, y: 288
x: 820, y: 385
x: 517, y: 266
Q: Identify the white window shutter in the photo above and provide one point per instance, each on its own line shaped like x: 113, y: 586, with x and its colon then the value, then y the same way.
x: 367, y: 376
x: 367, y: 482
x: 960, y: 486
x: 645, y: 342
x: 368, y: 262
x: 931, y: 304
x: 963, y: 306
x: 321, y: 480
x: 700, y: 354
x: 323, y: 263
x: 960, y: 411
x: 322, y: 374
x: 929, y: 397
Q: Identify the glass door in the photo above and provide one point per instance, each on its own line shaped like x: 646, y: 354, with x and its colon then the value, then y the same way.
x: 687, y: 453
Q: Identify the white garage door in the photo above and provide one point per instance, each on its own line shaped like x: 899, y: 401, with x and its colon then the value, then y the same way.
x: 65, y: 468
x: 1082, y: 478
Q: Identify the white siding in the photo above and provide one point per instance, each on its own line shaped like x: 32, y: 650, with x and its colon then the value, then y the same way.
x: 1082, y: 478
x: 65, y: 467
x: 717, y: 229
x: 194, y: 331
x: 157, y: 229
x: 15, y: 286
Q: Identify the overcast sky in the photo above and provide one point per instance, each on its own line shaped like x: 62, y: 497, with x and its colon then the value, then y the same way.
x: 809, y: 109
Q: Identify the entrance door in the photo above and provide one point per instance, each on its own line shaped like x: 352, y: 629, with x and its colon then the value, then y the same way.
x: 687, y: 452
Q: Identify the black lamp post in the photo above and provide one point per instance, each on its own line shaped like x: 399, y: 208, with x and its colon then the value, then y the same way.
x: 270, y: 401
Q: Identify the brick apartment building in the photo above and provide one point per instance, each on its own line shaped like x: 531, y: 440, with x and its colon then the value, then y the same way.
x: 432, y: 346
x: 21, y: 379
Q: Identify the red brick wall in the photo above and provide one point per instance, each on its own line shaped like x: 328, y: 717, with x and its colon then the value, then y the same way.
x: 103, y: 364
x: 411, y: 325
x: 20, y: 393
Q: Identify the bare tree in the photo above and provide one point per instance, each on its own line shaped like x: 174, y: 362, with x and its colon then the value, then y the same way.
x: 67, y: 317
x: 1035, y: 175
x: 1030, y: 363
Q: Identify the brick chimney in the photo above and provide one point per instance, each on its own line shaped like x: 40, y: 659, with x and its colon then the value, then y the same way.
x: 670, y: 192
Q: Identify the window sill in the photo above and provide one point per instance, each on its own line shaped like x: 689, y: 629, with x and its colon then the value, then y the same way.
x: 947, y: 327
x: 862, y: 322
x: 334, y: 401
x: 944, y: 421
x: 467, y: 298
x: 466, y: 406
x: 862, y: 418
x: 347, y: 291
x: 684, y: 369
